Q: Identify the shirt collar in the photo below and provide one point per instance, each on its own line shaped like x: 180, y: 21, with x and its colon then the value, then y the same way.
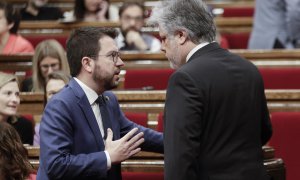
x: 199, y: 46
x: 90, y: 94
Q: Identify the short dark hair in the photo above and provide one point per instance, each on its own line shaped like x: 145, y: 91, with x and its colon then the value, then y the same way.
x: 129, y: 4
x: 12, y: 15
x: 85, y: 42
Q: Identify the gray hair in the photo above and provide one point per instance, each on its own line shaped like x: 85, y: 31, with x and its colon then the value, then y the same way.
x: 191, y: 16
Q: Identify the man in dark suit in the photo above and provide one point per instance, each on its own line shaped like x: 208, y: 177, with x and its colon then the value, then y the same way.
x: 216, y: 118
x: 77, y: 120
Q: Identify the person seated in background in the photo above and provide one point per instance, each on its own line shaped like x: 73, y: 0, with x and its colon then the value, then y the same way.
x: 9, y: 103
x: 14, y: 164
x: 49, y: 56
x: 131, y: 38
x: 55, y: 82
x: 276, y: 25
x: 91, y: 10
x: 10, y: 41
x: 38, y: 10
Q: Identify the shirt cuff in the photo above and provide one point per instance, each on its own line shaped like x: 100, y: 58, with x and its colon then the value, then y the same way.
x: 108, y: 160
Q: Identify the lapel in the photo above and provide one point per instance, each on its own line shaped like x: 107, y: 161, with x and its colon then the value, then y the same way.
x: 85, y: 107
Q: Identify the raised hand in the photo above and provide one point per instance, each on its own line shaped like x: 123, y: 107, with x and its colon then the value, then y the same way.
x: 125, y: 147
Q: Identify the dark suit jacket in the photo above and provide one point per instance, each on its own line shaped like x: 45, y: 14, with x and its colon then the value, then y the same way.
x: 216, y: 119
x: 71, y: 143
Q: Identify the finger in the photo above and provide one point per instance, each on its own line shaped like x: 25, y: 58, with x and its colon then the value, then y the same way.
x: 135, y: 138
x: 129, y: 134
x: 137, y: 144
x: 109, y: 135
x: 133, y: 152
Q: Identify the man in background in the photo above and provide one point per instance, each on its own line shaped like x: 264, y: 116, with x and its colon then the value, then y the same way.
x: 131, y: 38
x: 276, y: 25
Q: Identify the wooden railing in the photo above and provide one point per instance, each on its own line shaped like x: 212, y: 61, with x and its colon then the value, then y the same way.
x: 225, y: 25
x: 140, y: 60
x: 153, y: 101
x: 153, y: 162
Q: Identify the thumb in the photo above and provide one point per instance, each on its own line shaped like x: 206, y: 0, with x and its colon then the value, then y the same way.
x: 109, y: 135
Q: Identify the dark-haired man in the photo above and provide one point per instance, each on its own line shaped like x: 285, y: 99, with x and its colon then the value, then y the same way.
x: 84, y: 134
x: 131, y: 38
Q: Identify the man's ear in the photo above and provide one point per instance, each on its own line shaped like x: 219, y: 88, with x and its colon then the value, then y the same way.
x: 87, y: 64
x: 181, y: 36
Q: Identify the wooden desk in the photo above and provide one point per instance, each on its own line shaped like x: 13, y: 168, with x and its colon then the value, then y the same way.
x: 153, y: 101
x: 153, y: 162
x: 142, y: 60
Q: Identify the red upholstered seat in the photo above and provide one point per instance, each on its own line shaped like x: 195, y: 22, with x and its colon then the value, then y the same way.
x: 160, y: 124
x: 36, y: 39
x: 142, y: 175
x: 139, y: 118
x: 155, y: 79
x: 238, y: 12
x: 285, y: 140
x: 281, y: 78
x: 237, y: 40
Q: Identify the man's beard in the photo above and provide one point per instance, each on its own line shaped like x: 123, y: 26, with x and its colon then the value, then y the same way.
x: 174, y: 60
x: 107, y: 83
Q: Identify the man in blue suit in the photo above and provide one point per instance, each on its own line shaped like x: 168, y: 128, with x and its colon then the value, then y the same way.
x: 77, y: 120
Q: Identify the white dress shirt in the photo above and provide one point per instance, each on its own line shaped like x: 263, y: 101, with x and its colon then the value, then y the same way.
x: 92, y: 96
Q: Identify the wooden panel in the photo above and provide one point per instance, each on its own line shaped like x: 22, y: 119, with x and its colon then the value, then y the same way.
x: 138, y: 60
x: 153, y: 162
x: 153, y: 101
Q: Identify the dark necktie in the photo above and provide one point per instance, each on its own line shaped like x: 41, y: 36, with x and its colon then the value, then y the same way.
x: 104, y: 115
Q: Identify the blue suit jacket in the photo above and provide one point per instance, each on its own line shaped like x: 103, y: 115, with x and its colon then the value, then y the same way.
x: 71, y: 143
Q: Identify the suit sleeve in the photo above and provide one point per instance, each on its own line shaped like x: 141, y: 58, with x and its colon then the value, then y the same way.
x: 183, y: 127
x: 153, y: 139
x: 56, y: 147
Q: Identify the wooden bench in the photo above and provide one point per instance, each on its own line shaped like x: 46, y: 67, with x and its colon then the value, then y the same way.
x: 140, y: 60
x: 152, y: 103
x: 224, y: 24
x: 153, y: 162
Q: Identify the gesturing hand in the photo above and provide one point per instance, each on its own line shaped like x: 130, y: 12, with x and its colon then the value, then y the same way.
x: 125, y: 147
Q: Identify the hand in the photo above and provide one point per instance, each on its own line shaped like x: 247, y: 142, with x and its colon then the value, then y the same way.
x: 125, y: 147
x: 103, y: 9
x: 135, y: 38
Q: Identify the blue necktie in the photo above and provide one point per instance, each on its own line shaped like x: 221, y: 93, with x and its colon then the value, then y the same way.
x: 104, y: 115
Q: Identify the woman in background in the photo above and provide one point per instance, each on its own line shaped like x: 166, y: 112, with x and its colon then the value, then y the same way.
x: 56, y: 81
x: 9, y: 103
x: 14, y: 164
x: 92, y: 10
x: 49, y: 56
x: 10, y: 42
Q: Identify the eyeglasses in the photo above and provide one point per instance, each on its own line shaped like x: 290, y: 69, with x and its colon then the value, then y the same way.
x: 114, y: 56
x: 47, y: 66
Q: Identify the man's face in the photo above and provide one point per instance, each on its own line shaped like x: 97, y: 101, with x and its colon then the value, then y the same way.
x: 38, y: 3
x: 132, y: 19
x: 171, y: 49
x: 107, y: 65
